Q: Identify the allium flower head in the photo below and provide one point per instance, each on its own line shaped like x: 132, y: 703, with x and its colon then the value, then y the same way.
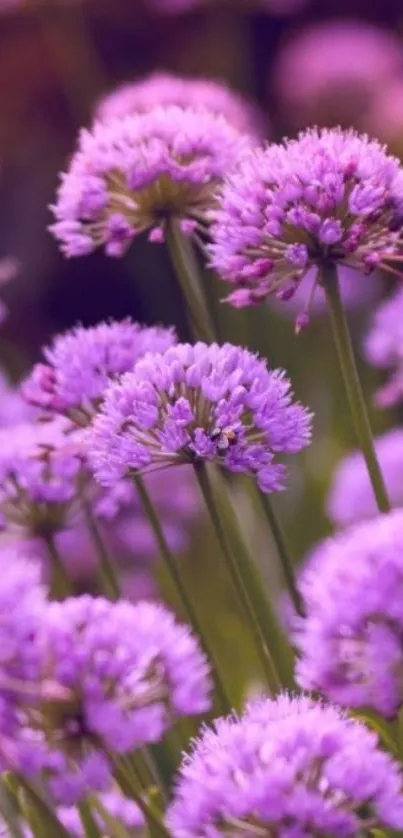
x: 384, y: 347
x: 168, y: 89
x: 81, y: 363
x: 330, y: 196
x: 290, y: 768
x: 22, y: 603
x: 351, y: 496
x: 40, y: 469
x: 119, y: 675
x: 132, y: 174
x: 199, y: 403
x: 351, y: 639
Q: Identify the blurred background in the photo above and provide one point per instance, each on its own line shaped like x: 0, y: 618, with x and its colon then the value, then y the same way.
x: 302, y: 62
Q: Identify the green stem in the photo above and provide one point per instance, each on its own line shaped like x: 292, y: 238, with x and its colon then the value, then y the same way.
x: 90, y: 826
x: 61, y: 586
x: 108, y: 577
x: 238, y: 579
x: 352, y: 384
x: 172, y: 566
x: 39, y: 814
x: 125, y: 781
x: 283, y: 551
x: 10, y: 810
x: 187, y: 272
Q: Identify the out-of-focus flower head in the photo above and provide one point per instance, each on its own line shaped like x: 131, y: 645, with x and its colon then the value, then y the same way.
x: 13, y: 408
x: 351, y: 496
x: 41, y: 466
x: 384, y: 347
x: 328, y: 73
x: 290, y: 768
x: 384, y: 118
x: 80, y: 364
x: 168, y: 89
x: 134, y: 174
x: 330, y: 196
x: 9, y: 268
x: 115, y: 677
x: 351, y: 640
x: 195, y: 403
x: 116, y: 806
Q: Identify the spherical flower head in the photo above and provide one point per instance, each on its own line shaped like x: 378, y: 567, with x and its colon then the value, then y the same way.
x: 120, y: 676
x: 351, y: 639
x: 80, y: 364
x: 330, y: 196
x: 384, y: 347
x: 286, y: 768
x: 199, y: 403
x: 351, y: 497
x: 22, y: 603
x: 133, y: 174
x: 41, y: 466
x: 330, y: 71
x: 165, y: 89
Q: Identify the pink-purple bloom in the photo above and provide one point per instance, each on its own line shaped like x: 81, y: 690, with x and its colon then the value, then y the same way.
x: 40, y: 471
x: 168, y: 89
x: 133, y: 174
x: 289, y: 767
x: 198, y: 403
x: 351, y: 496
x: 80, y: 364
x: 330, y: 71
x: 350, y: 640
x: 114, y: 677
x: 330, y: 196
x: 384, y: 347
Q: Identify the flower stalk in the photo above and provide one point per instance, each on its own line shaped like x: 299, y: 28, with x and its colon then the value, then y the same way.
x: 187, y: 272
x: 358, y: 408
x: 108, y: 576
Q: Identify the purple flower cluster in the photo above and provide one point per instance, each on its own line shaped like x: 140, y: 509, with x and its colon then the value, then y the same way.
x: 110, y: 677
x: 329, y: 196
x: 81, y: 363
x: 41, y: 465
x: 292, y: 768
x: 197, y: 403
x: 132, y: 174
x: 22, y: 602
x: 384, y: 347
x: 165, y: 89
x: 351, y: 639
x: 351, y: 496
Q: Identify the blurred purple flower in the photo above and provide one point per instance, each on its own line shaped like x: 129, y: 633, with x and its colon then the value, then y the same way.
x: 9, y: 268
x: 40, y: 469
x: 329, y: 72
x: 132, y: 174
x: 199, y: 403
x: 384, y: 347
x: 329, y: 196
x: 81, y: 363
x: 118, y: 676
x: 351, y: 497
x: 13, y: 408
x: 384, y: 117
x: 125, y: 811
x: 168, y: 89
x: 351, y: 640
x: 288, y: 767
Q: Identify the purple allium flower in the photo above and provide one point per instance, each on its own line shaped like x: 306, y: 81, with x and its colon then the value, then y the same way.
x: 22, y: 603
x: 351, y: 639
x: 40, y: 470
x: 120, y: 676
x: 384, y: 347
x: 169, y: 89
x: 199, y: 403
x: 119, y: 807
x: 329, y: 72
x: 292, y: 768
x: 81, y: 363
x: 131, y: 174
x: 329, y: 196
x: 351, y: 496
